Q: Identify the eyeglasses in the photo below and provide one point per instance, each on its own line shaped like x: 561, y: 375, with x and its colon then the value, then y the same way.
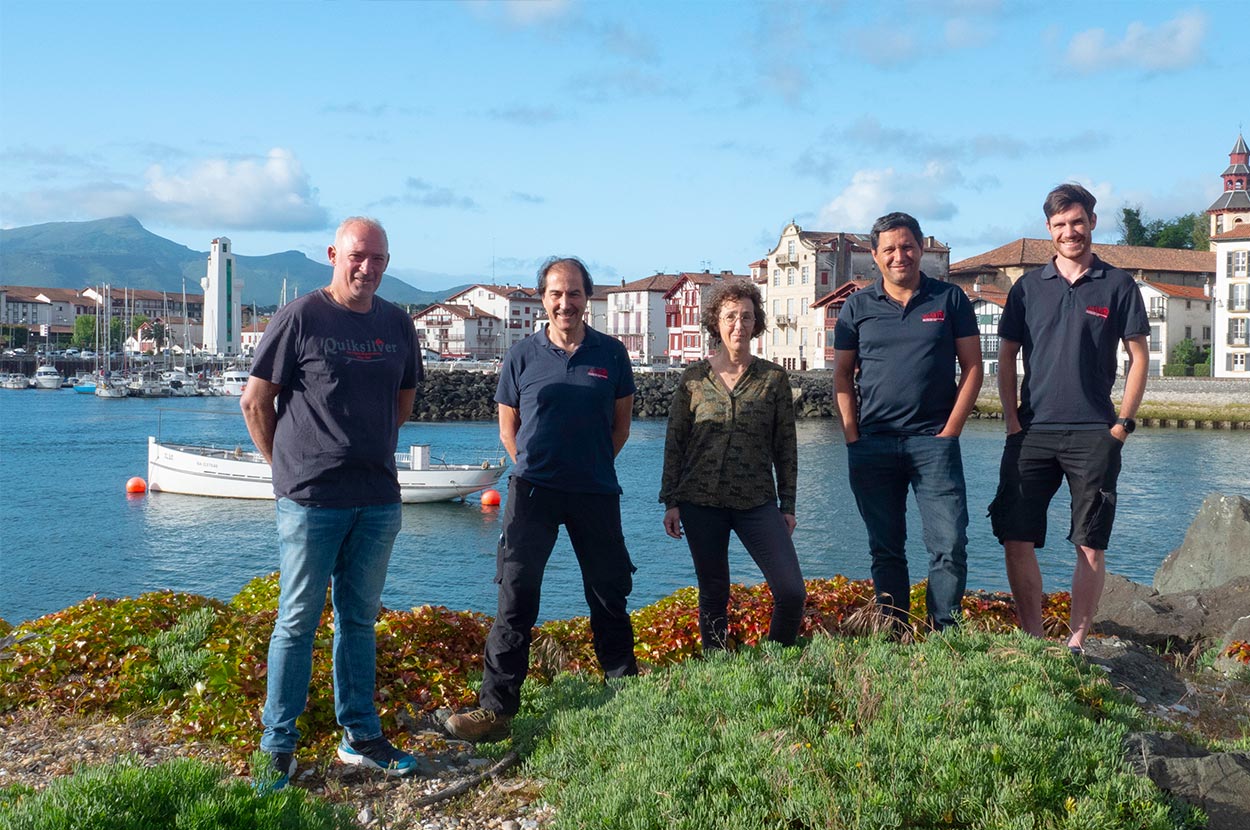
x: 733, y: 317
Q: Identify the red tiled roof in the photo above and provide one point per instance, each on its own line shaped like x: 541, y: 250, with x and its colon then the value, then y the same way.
x: 992, y: 293
x: 1241, y: 231
x: 656, y: 282
x: 464, y: 312
x: 1032, y: 253
x: 30, y: 294
x: 501, y: 290
x: 703, y: 278
x: 825, y: 240
x: 1185, y: 292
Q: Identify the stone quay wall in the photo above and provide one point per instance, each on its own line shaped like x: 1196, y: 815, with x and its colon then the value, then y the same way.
x: 469, y: 396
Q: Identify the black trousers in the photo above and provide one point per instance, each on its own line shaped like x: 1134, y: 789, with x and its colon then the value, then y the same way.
x: 531, y: 523
x: 763, y: 533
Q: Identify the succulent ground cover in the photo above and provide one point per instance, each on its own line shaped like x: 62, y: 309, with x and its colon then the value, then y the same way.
x: 185, y: 675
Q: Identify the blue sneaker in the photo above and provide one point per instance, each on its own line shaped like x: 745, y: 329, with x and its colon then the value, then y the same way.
x: 377, y: 754
x: 278, y: 774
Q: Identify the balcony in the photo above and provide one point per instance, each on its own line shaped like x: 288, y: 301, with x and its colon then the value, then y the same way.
x: 784, y: 320
x: 787, y: 258
x: 1157, y: 313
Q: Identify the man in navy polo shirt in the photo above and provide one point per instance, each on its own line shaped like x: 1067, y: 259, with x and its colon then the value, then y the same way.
x: 566, y: 397
x: 1070, y: 317
x: 903, y: 336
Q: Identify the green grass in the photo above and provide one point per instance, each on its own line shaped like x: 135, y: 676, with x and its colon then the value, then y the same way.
x: 177, y: 795
x: 966, y: 730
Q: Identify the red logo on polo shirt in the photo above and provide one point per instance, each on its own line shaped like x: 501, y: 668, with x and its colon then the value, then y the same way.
x: 1098, y: 311
x: 933, y: 317
x: 596, y: 372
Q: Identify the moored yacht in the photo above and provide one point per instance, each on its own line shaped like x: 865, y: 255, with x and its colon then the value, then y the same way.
x: 47, y: 377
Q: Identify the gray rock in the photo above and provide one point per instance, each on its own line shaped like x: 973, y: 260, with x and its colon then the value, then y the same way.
x: 1136, y: 612
x: 1218, y: 782
x: 1216, y: 548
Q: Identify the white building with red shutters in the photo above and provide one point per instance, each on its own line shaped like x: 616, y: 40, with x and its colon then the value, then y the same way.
x: 683, y: 313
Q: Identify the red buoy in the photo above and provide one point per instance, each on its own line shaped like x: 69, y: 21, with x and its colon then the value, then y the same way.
x: 136, y: 485
x: 490, y: 498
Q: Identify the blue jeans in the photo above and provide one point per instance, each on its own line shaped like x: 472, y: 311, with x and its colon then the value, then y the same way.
x: 347, y: 549
x: 882, y: 467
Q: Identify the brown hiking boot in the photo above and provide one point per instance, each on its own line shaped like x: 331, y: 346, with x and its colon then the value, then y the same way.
x: 480, y: 725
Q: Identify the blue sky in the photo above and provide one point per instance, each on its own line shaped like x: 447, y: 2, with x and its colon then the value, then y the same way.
x: 640, y: 136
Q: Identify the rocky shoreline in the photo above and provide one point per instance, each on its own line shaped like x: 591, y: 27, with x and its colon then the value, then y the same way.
x: 458, y: 395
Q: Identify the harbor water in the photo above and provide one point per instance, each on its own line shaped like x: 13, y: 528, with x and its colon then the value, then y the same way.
x: 68, y: 530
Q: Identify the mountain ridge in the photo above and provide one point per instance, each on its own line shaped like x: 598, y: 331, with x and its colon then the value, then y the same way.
x: 119, y: 250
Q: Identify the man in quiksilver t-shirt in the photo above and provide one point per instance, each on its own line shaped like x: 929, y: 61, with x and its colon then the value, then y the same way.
x: 342, y: 367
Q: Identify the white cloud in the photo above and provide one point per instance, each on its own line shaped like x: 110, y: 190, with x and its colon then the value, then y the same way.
x: 271, y: 193
x: 520, y: 12
x: 873, y: 193
x: 1174, y: 44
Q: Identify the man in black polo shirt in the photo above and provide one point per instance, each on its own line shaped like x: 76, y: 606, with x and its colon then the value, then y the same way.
x: 903, y: 336
x: 566, y: 397
x: 1070, y: 317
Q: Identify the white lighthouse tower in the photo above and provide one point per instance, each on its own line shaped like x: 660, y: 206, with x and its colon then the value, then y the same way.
x: 223, y: 310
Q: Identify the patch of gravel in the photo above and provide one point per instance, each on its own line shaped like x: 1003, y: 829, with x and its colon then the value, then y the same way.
x: 36, y: 748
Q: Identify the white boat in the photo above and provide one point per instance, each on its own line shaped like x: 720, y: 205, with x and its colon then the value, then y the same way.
x: 15, y: 381
x: 111, y: 388
x: 180, y: 383
x: 244, y: 474
x: 148, y: 386
x: 47, y: 377
x: 230, y: 382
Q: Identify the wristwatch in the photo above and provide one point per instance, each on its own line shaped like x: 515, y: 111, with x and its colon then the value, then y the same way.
x: 1128, y: 423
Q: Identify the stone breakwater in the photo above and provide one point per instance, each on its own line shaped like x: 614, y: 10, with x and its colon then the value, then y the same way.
x: 469, y: 396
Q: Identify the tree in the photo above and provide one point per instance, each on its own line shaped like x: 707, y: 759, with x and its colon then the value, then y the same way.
x: 84, y: 332
x: 1187, y: 353
x: 1133, y: 229
x: 160, y: 335
x: 1188, y: 232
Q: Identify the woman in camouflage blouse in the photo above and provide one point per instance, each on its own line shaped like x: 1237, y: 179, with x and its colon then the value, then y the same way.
x: 731, y: 427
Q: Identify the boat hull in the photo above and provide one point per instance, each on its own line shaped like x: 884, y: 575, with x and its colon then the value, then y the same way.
x: 242, y: 474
